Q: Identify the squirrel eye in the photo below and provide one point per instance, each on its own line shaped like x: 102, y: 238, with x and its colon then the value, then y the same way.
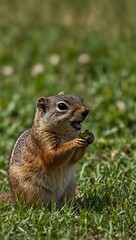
x: 62, y: 106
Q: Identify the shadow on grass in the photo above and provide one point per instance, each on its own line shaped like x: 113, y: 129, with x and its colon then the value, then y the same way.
x: 94, y: 201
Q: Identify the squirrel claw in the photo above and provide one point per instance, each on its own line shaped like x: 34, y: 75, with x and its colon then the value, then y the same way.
x: 90, y: 138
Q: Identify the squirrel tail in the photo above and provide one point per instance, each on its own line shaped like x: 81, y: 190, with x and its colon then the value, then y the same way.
x: 5, y: 196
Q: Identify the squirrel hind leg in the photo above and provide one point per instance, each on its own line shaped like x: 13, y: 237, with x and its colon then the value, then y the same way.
x: 5, y: 196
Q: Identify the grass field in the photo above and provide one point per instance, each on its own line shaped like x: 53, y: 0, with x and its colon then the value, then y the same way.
x: 86, y: 48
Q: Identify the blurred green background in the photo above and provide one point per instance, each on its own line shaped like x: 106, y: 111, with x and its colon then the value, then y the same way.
x: 86, y: 48
x: 82, y: 47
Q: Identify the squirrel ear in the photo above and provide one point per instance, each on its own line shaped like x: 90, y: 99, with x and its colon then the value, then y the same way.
x: 61, y: 93
x: 42, y: 104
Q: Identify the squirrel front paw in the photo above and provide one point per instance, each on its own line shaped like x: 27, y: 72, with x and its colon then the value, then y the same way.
x: 80, y: 143
x: 90, y: 138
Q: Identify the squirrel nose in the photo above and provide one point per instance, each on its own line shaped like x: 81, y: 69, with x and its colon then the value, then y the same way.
x: 85, y: 113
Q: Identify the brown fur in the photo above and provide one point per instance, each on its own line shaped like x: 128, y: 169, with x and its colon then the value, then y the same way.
x: 5, y: 196
x: 44, y: 158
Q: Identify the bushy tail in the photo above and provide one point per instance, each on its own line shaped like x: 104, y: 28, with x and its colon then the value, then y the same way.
x: 5, y: 196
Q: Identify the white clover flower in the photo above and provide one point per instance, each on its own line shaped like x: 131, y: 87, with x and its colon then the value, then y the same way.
x: 54, y: 59
x: 84, y: 58
x: 37, y: 69
x: 7, y: 70
x: 121, y: 106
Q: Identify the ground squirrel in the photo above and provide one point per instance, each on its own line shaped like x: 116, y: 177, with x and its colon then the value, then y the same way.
x: 44, y: 157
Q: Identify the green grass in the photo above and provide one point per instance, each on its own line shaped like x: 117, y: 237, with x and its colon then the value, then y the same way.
x: 31, y: 32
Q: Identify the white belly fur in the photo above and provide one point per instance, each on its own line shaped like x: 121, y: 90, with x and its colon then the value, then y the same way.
x: 59, y: 180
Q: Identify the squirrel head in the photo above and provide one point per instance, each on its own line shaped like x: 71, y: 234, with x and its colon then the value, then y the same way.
x: 62, y: 113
